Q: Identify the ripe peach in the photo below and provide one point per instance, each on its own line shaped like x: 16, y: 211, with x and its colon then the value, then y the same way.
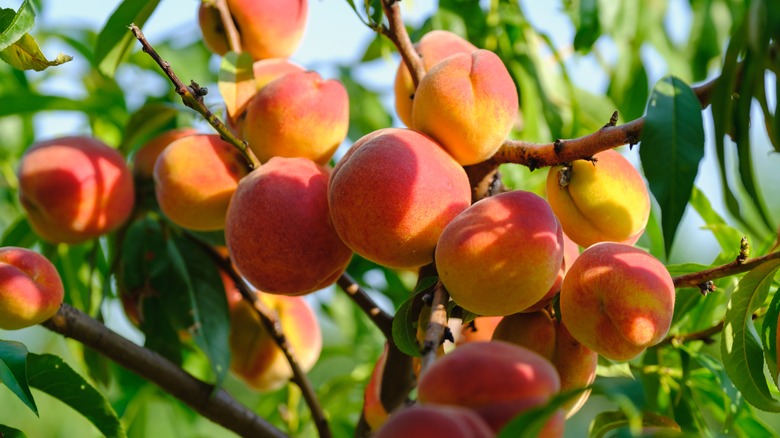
x: 145, y: 157
x: 393, y: 193
x: 502, y: 254
x: 279, y: 231
x: 75, y: 189
x: 268, y: 28
x: 430, y: 421
x: 497, y: 380
x: 575, y: 363
x: 468, y: 104
x: 31, y: 290
x: 617, y: 300
x: 256, y: 358
x: 298, y: 115
x: 570, y: 253
x: 195, y: 177
x: 481, y: 329
x: 602, y: 201
x: 373, y: 410
x: 433, y: 47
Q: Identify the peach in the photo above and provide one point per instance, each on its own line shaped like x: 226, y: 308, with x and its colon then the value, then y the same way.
x: 373, y: 410
x: 75, y: 189
x: 145, y: 157
x: 279, y: 233
x: 575, y: 363
x: 268, y: 28
x: 423, y: 421
x: 497, y: 380
x: 195, y: 177
x: 617, y: 300
x: 256, y: 358
x: 393, y: 193
x: 468, y: 104
x: 570, y: 253
x: 602, y: 201
x: 433, y: 48
x: 501, y: 255
x: 31, y: 290
x: 298, y: 115
x: 480, y: 329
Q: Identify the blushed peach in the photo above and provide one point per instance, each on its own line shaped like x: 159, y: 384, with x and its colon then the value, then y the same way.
x: 146, y: 156
x: 75, y: 189
x: 468, y: 104
x: 31, y: 290
x: 502, y: 254
x: 194, y: 179
x: 393, y: 193
x: 570, y: 253
x: 602, y: 201
x: 480, y: 329
x: 617, y: 300
x: 431, y: 421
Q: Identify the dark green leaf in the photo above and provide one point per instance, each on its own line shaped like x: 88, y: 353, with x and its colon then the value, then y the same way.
x: 13, y: 371
x: 10, y: 432
x: 53, y: 376
x: 740, y: 348
x: 25, y: 102
x: 161, y: 336
x: 770, y: 339
x: 19, y: 234
x: 25, y: 54
x: 115, y: 39
x: 671, y: 149
x: 629, y: 85
x: 588, y: 29
x: 15, y: 24
x: 404, y: 330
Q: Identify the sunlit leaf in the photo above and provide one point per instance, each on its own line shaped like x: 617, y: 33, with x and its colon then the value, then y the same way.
x: 15, y: 24
x: 25, y: 54
x: 236, y: 82
x: 115, y: 39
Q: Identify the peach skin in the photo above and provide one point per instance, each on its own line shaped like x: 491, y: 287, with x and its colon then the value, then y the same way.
x: 279, y: 232
x: 194, y: 178
x: 146, y: 156
x: 468, y: 104
x: 602, y: 201
x: 502, y: 254
x: 393, y: 193
x: 617, y: 300
x: 433, y: 48
x: 74, y: 189
x: 570, y: 253
x: 31, y: 290
x: 298, y: 115
x: 435, y: 421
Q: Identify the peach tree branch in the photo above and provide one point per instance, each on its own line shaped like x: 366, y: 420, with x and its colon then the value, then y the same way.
x: 218, y: 406
x: 436, y: 328
x: 379, y: 317
x: 396, y: 32
x: 192, y: 97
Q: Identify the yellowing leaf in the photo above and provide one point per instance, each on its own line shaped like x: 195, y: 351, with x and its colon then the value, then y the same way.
x: 236, y: 82
x: 25, y: 54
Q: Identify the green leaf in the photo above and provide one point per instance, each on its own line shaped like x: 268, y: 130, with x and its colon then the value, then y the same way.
x: 53, y: 376
x: 726, y: 235
x: 15, y: 24
x: 770, y: 340
x: 740, y: 347
x: 672, y: 147
x: 606, y: 422
x: 405, y: 319
x: 19, y: 234
x: 25, y: 54
x: 115, y: 39
x: 529, y: 424
x: 13, y: 371
x: 10, y: 432
x: 147, y: 121
x: 366, y: 112
x: 588, y: 29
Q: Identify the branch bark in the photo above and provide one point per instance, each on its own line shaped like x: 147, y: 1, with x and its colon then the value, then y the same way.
x: 697, y: 279
x: 396, y: 32
x: 218, y: 406
x: 437, y: 326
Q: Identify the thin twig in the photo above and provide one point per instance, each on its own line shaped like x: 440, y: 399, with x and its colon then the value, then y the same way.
x: 434, y: 332
x: 271, y: 322
x: 218, y: 406
x: 382, y: 319
x: 233, y: 37
x: 737, y: 266
x: 396, y: 32
x: 192, y: 97
x: 702, y: 335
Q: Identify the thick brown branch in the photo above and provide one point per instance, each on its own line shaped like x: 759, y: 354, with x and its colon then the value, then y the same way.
x: 381, y: 319
x: 739, y: 265
x: 218, y: 406
x: 192, y: 97
x: 434, y: 333
x: 272, y: 324
x: 396, y: 32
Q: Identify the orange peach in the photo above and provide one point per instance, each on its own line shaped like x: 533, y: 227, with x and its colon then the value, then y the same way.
x: 468, y: 104
x: 298, y: 115
x: 393, y: 193
x: 429, y: 421
x: 480, y: 329
x: 195, y: 177
x: 617, y: 300
x: 255, y: 356
x: 145, y: 157
x: 575, y: 363
x: 75, y: 189
x: 31, y: 290
x: 602, y: 201
x: 268, y: 28
x: 502, y: 254
x: 433, y: 48
x: 497, y: 380
x: 279, y: 232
